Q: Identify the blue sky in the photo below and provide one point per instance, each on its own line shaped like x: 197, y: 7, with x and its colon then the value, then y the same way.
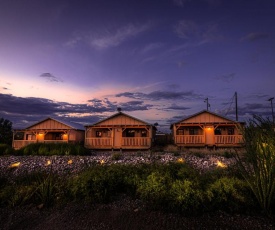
x: 157, y: 60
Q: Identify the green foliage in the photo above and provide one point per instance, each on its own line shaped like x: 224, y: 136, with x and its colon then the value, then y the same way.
x: 5, y: 149
x: 257, y: 162
x: 50, y: 149
x: 99, y: 183
x: 186, y: 196
x: 5, y: 131
x: 155, y: 188
x: 227, y: 193
x: 173, y: 187
x: 36, y: 188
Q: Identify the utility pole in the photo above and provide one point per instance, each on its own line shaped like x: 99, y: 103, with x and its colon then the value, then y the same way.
x: 271, y: 99
x: 207, y: 104
x: 236, y: 105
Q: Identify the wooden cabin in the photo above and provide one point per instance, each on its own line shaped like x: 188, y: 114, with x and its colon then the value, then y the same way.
x: 207, y: 129
x: 119, y: 131
x: 49, y: 130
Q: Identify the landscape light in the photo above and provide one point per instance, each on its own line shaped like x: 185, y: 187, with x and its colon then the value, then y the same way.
x: 221, y: 165
x: 15, y: 165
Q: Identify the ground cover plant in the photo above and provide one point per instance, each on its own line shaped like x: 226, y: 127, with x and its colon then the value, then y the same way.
x: 174, y: 187
x: 51, y: 149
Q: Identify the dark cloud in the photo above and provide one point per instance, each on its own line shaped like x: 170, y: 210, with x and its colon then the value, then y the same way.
x: 50, y: 77
x: 160, y: 95
x: 175, y: 119
x: 176, y: 107
x: 134, y: 106
x: 247, y: 111
x: 24, y: 110
x: 252, y: 37
x: 5, y: 88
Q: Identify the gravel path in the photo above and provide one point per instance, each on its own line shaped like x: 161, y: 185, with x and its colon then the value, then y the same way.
x: 15, y: 165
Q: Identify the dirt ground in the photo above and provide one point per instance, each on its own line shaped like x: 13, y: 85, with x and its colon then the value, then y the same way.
x: 118, y: 216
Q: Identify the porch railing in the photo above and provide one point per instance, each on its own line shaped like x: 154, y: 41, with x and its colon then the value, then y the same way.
x: 228, y: 139
x: 98, y: 142
x: 200, y: 139
x: 190, y: 139
x: 136, y: 141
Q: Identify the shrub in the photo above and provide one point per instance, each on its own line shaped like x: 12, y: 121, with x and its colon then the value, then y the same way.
x: 227, y: 194
x: 50, y: 149
x: 100, y: 183
x: 257, y: 162
x: 155, y: 189
x: 5, y: 149
x: 186, y: 195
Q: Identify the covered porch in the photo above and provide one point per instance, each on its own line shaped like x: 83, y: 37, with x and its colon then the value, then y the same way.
x: 118, y: 137
x: 23, y: 138
x: 198, y: 135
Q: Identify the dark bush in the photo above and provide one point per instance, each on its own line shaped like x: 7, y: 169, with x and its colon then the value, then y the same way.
x: 51, y: 149
x: 5, y: 149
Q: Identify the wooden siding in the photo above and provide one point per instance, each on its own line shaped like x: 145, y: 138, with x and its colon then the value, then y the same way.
x: 120, y: 119
x: 206, y: 118
x: 50, y: 125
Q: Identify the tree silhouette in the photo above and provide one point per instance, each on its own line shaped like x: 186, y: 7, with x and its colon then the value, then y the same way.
x: 5, y: 131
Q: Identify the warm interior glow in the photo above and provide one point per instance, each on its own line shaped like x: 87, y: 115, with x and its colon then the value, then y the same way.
x: 70, y: 162
x: 48, y: 162
x: 102, y: 162
x: 221, y: 165
x: 15, y: 165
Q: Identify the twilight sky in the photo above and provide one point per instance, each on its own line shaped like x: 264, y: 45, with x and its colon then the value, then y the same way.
x: 158, y: 60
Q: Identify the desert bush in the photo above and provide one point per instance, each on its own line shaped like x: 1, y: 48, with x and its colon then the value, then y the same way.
x: 50, y: 149
x: 46, y: 188
x: 37, y: 188
x: 186, y: 196
x: 5, y: 149
x: 100, y: 183
x: 155, y: 189
x: 227, y: 193
x: 256, y: 164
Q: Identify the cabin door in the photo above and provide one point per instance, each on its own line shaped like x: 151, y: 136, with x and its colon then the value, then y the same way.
x: 209, y: 135
x: 117, y: 137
